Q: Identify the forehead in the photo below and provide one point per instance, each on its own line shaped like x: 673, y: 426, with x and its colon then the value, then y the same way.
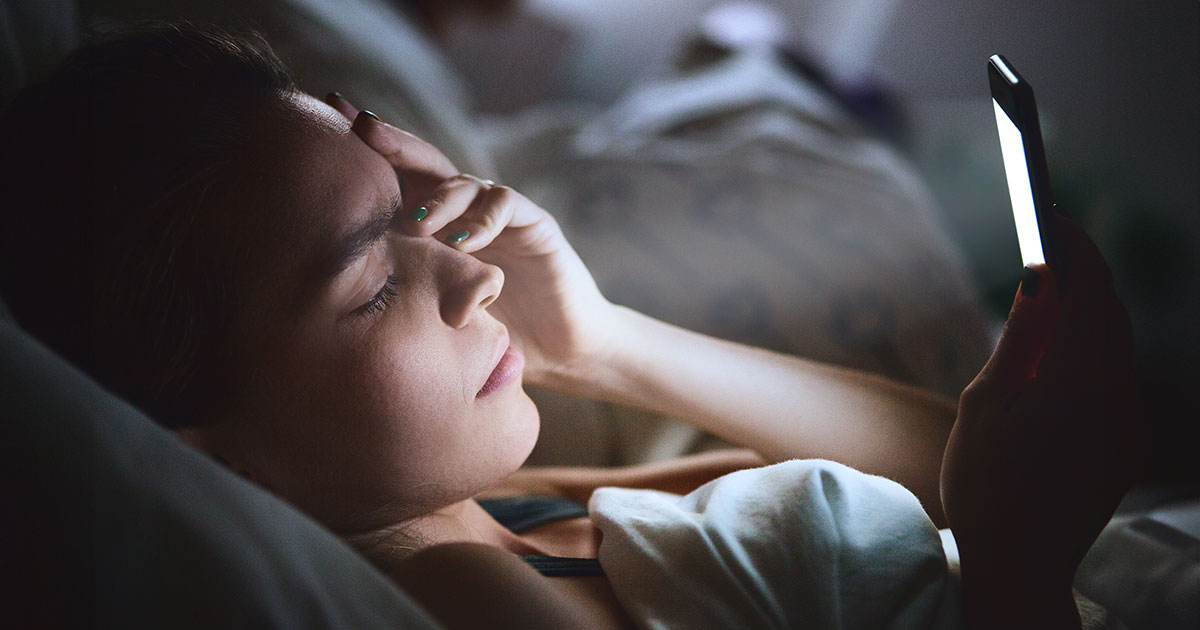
x: 307, y: 180
x: 315, y: 174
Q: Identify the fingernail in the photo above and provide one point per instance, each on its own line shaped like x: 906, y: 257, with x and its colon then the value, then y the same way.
x: 458, y: 237
x: 1030, y: 283
x: 419, y: 213
x: 371, y: 114
x: 337, y: 95
x: 489, y: 183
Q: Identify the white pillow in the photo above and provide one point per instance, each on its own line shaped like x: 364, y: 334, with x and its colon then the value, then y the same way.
x: 112, y: 522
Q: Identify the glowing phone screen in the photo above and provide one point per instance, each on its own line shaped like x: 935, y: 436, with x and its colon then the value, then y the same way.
x: 1020, y: 192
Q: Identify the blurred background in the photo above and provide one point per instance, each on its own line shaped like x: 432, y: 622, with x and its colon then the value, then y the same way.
x: 1118, y: 85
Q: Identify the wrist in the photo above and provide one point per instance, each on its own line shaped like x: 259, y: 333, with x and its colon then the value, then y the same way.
x: 593, y: 369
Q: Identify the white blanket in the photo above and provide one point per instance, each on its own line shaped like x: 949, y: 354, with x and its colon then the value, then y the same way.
x: 800, y: 544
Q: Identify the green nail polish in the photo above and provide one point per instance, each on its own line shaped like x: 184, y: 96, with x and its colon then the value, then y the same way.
x: 370, y: 113
x: 458, y: 237
x: 419, y: 213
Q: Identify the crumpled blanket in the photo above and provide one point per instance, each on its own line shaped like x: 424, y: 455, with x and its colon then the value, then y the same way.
x: 799, y: 544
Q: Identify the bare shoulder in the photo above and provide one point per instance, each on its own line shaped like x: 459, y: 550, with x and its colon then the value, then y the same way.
x: 470, y: 585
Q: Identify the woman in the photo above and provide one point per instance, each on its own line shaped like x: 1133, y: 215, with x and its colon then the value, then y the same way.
x: 326, y: 305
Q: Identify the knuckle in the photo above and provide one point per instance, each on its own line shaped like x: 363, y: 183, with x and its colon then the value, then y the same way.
x: 502, y: 195
x: 975, y: 394
x: 485, y: 222
x: 485, y: 219
x: 461, y: 179
x: 503, y: 200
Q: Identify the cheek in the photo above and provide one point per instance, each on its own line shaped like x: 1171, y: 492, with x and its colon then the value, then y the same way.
x: 387, y: 420
x: 403, y: 400
x: 434, y: 442
x: 410, y: 395
x: 348, y: 433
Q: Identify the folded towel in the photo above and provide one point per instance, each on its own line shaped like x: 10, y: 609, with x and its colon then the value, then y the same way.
x: 803, y: 543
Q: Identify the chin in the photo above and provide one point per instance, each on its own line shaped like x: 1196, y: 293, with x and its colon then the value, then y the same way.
x: 529, y: 424
x: 508, y: 436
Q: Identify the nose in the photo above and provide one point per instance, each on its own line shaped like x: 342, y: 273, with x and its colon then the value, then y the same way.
x: 472, y: 285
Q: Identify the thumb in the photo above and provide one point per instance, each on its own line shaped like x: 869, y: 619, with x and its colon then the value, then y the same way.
x: 1027, y: 333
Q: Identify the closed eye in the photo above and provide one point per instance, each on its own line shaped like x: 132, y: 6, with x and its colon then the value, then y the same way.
x: 383, y: 298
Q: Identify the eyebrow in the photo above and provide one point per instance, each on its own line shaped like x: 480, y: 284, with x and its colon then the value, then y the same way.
x: 352, y: 245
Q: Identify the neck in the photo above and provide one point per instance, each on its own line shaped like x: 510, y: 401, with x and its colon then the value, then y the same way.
x: 464, y: 521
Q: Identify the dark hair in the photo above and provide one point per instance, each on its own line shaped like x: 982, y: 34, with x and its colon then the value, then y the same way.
x: 109, y: 163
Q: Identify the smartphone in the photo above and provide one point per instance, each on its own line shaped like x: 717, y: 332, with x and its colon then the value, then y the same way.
x: 1024, y: 162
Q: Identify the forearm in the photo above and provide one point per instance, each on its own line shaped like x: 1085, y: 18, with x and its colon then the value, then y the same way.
x: 679, y: 475
x: 781, y: 406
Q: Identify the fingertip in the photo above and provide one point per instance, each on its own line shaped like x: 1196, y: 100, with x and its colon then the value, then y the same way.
x: 365, y: 121
x: 380, y: 136
x: 457, y: 238
x: 456, y: 235
x: 1030, y: 283
x: 1027, y: 331
x: 1038, y: 282
x: 420, y: 222
x: 343, y: 106
x: 1036, y: 305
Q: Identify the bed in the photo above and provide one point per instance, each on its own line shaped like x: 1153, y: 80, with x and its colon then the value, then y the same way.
x: 737, y: 198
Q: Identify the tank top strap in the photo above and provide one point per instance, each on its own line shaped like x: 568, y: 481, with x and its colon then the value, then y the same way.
x: 523, y: 513
x: 561, y: 566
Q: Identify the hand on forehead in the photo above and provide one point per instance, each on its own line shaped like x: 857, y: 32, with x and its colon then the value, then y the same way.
x: 422, y: 165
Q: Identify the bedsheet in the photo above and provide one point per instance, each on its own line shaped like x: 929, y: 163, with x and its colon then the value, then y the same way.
x: 1145, y: 567
x: 803, y: 543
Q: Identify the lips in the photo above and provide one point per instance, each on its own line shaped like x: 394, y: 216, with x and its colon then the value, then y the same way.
x: 507, y: 370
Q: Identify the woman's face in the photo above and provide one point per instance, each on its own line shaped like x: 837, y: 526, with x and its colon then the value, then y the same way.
x: 359, y: 352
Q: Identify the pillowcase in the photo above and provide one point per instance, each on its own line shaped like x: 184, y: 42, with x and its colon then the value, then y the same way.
x: 110, y: 521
